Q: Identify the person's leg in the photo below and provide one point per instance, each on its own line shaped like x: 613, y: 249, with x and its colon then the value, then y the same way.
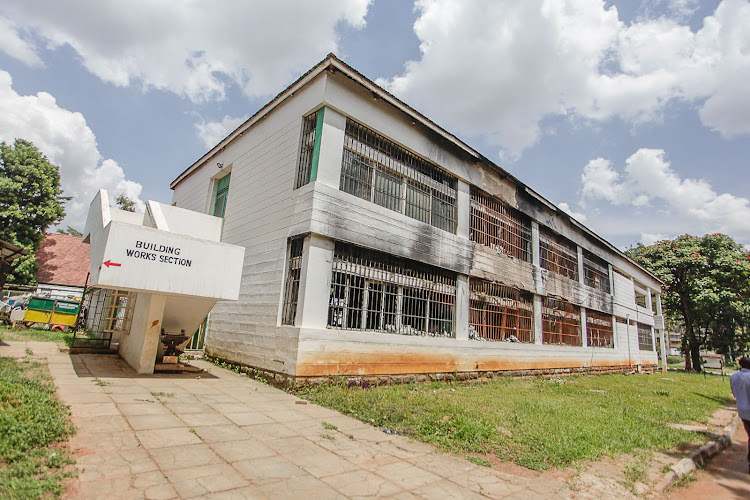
x: 746, y: 423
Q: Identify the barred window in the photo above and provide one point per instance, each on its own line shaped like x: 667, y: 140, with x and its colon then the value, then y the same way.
x: 499, y: 312
x: 495, y: 224
x: 378, y: 292
x: 645, y: 340
x: 595, y: 272
x: 561, y: 322
x: 307, y: 148
x: 379, y: 170
x: 599, y: 332
x: 291, y: 286
x: 558, y: 254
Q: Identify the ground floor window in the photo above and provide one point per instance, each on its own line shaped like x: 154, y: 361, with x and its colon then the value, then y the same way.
x: 561, y: 322
x: 599, y: 332
x: 500, y: 312
x: 291, y: 286
x: 378, y: 292
x: 645, y: 339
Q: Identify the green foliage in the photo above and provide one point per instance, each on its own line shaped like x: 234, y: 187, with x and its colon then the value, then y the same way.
x: 706, y: 288
x: 538, y: 423
x: 71, y: 232
x: 30, y: 202
x: 125, y: 203
x: 32, y: 423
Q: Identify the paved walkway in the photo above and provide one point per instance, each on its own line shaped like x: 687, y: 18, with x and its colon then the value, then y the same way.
x: 220, y: 435
x: 725, y: 476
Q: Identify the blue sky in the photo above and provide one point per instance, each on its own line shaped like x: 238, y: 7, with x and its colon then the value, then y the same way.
x: 633, y: 116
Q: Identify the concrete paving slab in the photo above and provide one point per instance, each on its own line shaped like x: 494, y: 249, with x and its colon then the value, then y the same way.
x: 248, y: 449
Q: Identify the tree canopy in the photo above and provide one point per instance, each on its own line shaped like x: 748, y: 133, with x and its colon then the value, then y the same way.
x: 706, y: 288
x: 124, y: 202
x: 31, y: 201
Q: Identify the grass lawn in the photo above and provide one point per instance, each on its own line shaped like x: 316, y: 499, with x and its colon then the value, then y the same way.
x: 538, y: 423
x: 33, y: 424
x: 34, y: 334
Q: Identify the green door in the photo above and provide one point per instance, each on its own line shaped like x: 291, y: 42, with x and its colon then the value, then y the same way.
x: 222, y: 190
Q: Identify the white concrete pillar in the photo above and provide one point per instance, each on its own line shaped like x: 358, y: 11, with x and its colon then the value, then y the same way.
x: 463, y: 209
x: 535, y: 259
x: 315, y: 282
x: 584, y: 329
x: 140, y: 345
x: 538, y: 336
x: 462, y: 307
x: 580, y: 265
x: 331, y: 148
x: 611, y: 279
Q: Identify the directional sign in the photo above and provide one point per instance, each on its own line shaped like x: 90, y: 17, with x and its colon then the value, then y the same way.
x: 110, y: 263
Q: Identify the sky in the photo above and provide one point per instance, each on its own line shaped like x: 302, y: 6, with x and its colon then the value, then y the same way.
x: 634, y: 117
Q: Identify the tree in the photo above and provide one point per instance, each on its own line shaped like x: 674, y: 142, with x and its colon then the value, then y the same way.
x: 31, y: 201
x: 125, y: 203
x: 71, y: 231
x: 706, y: 287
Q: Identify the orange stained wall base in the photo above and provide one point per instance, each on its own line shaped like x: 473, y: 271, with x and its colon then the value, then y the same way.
x: 342, y: 363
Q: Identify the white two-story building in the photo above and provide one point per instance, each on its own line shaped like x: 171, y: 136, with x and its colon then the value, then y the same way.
x: 379, y: 244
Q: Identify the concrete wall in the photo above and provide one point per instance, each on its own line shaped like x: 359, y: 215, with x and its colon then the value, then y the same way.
x: 264, y: 210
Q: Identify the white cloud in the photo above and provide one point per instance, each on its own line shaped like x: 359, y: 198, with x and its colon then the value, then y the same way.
x: 67, y: 141
x: 579, y: 216
x: 507, y: 65
x: 194, y: 49
x: 212, y: 132
x: 15, y: 46
x: 686, y: 204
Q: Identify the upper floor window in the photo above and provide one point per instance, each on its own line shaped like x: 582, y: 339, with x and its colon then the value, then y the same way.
x: 640, y: 295
x: 595, y: 272
x: 310, y: 138
x: 222, y: 190
x: 558, y: 254
x: 495, y: 224
x: 379, y: 170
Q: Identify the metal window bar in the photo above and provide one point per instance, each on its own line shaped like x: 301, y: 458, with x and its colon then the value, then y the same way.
x: 645, y: 340
x: 561, y: 322
x: 557, y: 254
x: 291, y: 286
x: 599, y: 329
x: 595, y: 272
x: 307, y: 144
x: 497, y: 225
x: 373, y: 291
x: 379, y: 170
x: 501, y: 313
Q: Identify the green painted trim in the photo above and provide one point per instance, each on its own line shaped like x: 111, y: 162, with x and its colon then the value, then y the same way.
x: 316, y: 145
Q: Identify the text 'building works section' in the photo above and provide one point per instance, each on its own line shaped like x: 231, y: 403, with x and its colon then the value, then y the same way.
x: 379, y: 244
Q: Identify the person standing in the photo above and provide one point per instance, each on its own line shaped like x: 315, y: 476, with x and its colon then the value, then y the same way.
x: 740, y: 384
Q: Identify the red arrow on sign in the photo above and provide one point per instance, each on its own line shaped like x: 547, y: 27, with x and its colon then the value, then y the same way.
x: 110, y: 263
